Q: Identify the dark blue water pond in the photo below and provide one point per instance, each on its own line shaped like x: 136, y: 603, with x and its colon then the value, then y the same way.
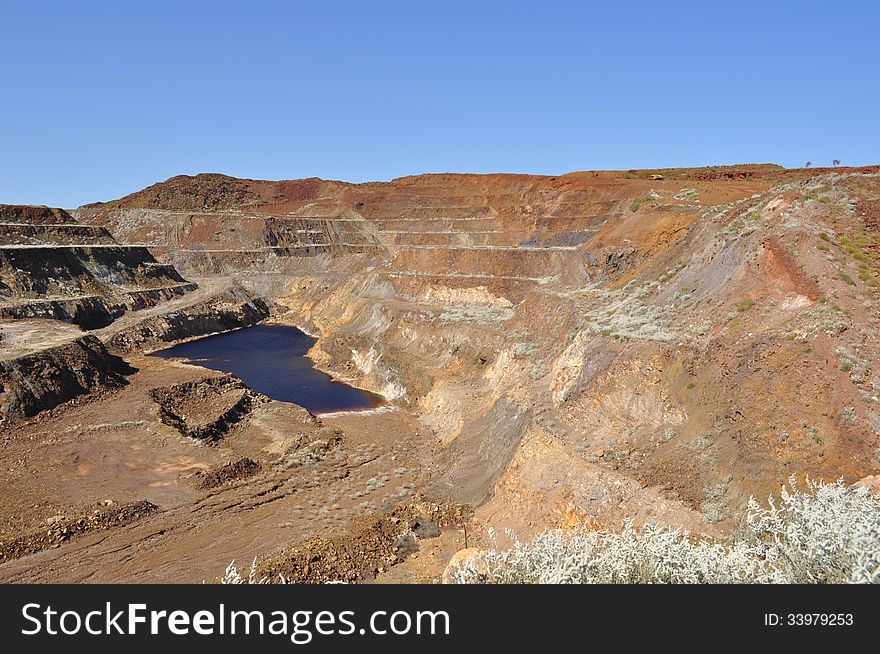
x: 271, y: 360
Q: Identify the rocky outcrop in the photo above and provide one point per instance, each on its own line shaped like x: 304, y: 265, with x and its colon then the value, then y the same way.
x: 469, y: 557
x: 230, y: 309
x: 205, y: 409
x: 368, y: 548
x: 228, y: 472
x: 44, y: 379
x: 638, y: 317
x: 89, y: 312
x: 53, y: 267
x: 60, y: 529
x: 24, y: 214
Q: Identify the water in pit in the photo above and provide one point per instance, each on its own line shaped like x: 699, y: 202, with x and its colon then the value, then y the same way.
x: 271, y: 359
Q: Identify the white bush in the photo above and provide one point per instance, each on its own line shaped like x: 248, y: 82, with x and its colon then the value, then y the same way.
x: 830, y: 534
x: 234, y: 576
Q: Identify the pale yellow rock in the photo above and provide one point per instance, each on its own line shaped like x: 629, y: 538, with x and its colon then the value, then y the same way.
x: 871, y: 482
x: 462, y: 558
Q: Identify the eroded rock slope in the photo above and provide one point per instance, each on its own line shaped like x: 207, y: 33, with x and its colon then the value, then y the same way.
x: 695, y: 335
x: 555, y: 351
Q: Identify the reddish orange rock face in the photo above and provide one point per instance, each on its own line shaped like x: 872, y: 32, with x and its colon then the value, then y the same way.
x: 585, y: 349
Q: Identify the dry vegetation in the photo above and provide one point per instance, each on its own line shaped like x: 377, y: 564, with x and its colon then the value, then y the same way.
x: 827, y: 535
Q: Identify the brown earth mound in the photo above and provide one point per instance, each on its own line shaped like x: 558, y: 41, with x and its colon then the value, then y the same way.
x: 206, y: 409
x: 64, y: 529
x: 368, y: 548
x: 34, y: 215
x: 201, y: 192
x: 233, y: 471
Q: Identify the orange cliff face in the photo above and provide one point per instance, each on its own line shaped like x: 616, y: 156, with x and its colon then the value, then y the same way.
x: 590, y: 348
x: 693, y: 332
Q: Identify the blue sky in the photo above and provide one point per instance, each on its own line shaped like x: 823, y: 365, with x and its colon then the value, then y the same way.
x: 99, y: 99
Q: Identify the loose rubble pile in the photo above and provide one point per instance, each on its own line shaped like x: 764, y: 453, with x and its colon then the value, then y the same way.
x: 233, y: 471
x: 208, y: 408
x: 61, y: 529
x: 367, y: 549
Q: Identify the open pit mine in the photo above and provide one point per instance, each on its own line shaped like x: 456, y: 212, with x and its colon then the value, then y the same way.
x: 415, y: 362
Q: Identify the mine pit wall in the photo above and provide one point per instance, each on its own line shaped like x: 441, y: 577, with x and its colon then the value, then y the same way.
x: 41, y: 271
x: 52, y: 267
x: 93, y: 312
x: 465, y: 368
x: 45, y: 379
x: 233, y: 308
x: 88, y: 285
x: 665, y: 405
x: 49, y: 234
x: 50, y: 270
x: 225, y: 236
x: 451, y: 361
x: 644, y: 403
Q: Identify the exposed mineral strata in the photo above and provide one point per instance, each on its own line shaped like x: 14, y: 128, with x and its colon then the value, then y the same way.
x: 53, y: 267
x: 585, y: 349
x: 43, y: 379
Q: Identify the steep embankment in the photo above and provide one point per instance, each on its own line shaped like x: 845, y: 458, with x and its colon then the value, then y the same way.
x: 47, y: 376
x: 53, y: 267
x: 220, y: 309
x: 54, y: 270
x: 659, y: 344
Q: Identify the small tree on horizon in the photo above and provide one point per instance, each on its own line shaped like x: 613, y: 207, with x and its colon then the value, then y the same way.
x: 808, y: 164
